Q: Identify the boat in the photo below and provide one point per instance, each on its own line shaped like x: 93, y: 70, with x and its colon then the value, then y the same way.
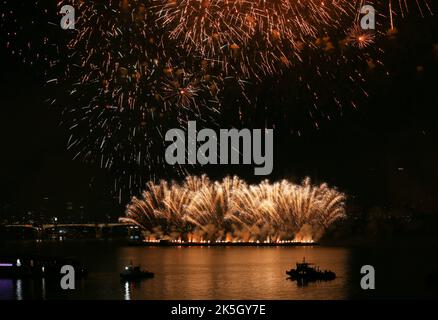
x: 134, y: 273
x: 308, y: 272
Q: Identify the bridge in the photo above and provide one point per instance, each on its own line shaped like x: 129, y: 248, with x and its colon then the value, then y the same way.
x: 81, y: 230
x: 71, y: 225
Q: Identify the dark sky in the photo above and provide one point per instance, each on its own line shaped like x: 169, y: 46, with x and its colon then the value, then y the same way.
x: 383, y: 153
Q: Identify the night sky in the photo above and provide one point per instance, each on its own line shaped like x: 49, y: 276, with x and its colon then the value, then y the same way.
x: 384, y: 153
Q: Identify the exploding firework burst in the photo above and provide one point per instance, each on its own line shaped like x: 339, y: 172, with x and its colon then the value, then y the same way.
x: 360, y: 38
x: 134, y: 68
x: 202, y: 210
x: 249, y: 37
x: 204, y: 27
x: 126, y: 90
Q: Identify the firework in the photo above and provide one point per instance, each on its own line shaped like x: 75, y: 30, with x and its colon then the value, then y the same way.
x: 126, y: 90
x: 249, y: 37
x: 133, y: 69
x: 204, y: 26
x: 231, y: 210
x: 360, y: 38
x: 401, y: 8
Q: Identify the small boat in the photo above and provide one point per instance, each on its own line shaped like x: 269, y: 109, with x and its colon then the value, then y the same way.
x: 305, y: 272
x: 134, y: 273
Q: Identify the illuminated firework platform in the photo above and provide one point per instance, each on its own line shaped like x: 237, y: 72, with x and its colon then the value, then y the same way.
x: 200, y: 210
x: 223, y: 243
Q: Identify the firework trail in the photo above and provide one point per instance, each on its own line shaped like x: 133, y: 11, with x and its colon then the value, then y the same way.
x: 253, y: 38
x: 247, y: 35
x: 134, y: 68
x: 231, y: 210
x: 117, y: 85
x: 248, y: 38
x: 402, y: 8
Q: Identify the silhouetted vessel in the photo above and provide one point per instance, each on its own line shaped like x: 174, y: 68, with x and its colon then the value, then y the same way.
x: 305, y: 272
x: 134, y: 273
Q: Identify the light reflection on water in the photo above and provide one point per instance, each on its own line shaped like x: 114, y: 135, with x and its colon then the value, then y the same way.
x: 196, y: 273
x: 127, y: 291
x: 6, y: 289
x: 236, y: 273
x: 224, y: 272
x: 19, y: 290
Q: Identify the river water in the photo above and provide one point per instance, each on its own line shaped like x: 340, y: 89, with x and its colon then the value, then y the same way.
x: 223, y: 272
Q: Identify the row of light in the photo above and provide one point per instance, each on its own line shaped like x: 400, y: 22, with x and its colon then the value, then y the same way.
x: 234, y: 241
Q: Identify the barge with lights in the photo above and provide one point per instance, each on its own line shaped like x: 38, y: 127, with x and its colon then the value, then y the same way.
x: 207, y: 243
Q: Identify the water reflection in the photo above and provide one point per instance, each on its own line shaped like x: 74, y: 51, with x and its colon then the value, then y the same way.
x: 19, y: 289
x: 224, y: 272
x: 196, y: 273
x: 6, y: 289
x: 43, y: 289
x: 127, y: 291
x: 234, y: 273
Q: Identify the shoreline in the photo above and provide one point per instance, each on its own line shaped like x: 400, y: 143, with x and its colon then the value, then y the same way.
x: 222, y: 244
